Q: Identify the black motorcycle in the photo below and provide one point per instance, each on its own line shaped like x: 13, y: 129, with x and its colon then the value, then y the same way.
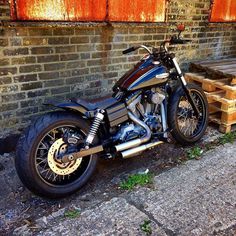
x: 58, y: 153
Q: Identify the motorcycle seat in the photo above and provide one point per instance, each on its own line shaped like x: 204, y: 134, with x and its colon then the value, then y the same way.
x: 93, y: 104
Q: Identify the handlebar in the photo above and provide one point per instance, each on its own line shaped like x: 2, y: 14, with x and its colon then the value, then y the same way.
x: 135, y: 48
x: 130, y: 50
x: 173, y: 41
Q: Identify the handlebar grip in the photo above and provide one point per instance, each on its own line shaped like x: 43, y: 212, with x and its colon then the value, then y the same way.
x: 129, y: 50
x: 175, y: 40
x: 187, y: 40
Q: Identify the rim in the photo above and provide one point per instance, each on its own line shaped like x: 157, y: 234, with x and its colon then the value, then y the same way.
x: 47, y: 151
x: 189, y: 125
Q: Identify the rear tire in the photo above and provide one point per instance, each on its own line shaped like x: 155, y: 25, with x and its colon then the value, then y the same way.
x: 178, y: 106
x: 28, y: 156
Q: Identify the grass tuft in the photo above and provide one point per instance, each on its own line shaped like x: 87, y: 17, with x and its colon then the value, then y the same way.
x: 194, y: 153
x: 136, y: 179
x: 72, y: 213
x: 227, y: 138
x: 146, y: 227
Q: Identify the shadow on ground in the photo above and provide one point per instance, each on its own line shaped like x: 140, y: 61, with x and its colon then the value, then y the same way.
x: 18, y: 206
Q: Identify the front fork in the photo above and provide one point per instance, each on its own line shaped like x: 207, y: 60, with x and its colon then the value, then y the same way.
x: 185, y: 86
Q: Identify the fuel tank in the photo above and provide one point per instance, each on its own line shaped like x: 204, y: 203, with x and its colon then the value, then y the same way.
x: 144, y: 74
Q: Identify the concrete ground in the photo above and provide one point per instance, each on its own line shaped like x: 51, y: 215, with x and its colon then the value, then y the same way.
x: 194, y: 198
x: 187, y: 198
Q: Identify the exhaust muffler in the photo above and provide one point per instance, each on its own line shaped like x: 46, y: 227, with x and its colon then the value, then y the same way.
x: 136, y: 150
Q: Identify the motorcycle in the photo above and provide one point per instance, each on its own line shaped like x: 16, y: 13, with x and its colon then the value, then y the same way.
x: 58, y: 153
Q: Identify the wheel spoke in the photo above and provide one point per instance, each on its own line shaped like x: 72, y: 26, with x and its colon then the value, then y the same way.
x: 52, y: 145
x: 44, y: 146
x: 187, y: 121
x: 42, y: 161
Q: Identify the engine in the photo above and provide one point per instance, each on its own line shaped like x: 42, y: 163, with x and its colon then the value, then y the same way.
x: 146, y: 107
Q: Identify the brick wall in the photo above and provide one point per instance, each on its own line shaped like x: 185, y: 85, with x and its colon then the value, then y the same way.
x: 41, y: 61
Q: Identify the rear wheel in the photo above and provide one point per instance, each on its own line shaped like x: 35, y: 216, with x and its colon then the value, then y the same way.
x: 38, y: 151
x: 186, y: 127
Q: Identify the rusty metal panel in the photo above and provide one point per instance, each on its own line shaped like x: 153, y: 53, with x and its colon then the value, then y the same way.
x: 223, y: 11
x: 136, y: 10
x: 59, y: 10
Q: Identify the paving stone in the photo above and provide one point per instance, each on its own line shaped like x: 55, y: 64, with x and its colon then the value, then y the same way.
x: 198, y: 198
x: 115, y: 217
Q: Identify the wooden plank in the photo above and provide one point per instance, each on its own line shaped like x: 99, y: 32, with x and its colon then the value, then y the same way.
x: 213, y: 63
x: 222, y: 67
x: 212, y: 72
x: 229, y: 71
x: 233, y: 82
x: 223, y: 127
x: 227, y: 128
x: 221, y: 70
x: 206, y: 62
x: 210, y: 85
x: 225, y: 105
x: 215, y: 67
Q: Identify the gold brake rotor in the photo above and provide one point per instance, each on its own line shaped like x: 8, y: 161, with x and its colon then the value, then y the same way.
x: 59, y: 147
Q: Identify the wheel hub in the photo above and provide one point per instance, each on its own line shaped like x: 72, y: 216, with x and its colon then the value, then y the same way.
x: 59, y: 147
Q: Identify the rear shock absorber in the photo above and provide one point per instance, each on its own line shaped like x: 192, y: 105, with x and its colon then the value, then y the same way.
x: 94, y: 128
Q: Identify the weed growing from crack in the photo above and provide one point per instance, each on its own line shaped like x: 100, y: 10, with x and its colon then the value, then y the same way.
x: 146, y: 227
x: 227, y: 138
x: 194, y: 153
x: 136, y: 179
x: 72, y: 213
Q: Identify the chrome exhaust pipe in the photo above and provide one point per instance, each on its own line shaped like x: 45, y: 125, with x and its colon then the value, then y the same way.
x: 136, y: 150
x: 135, y: 142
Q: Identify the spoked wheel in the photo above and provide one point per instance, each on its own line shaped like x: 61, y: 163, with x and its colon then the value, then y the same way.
x: 50, y: 148
x: 186, y: 126
x: 39, y: 152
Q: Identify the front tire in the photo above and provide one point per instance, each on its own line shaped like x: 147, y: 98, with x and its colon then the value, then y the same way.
x: 185, y: 127
x: 37, y: 168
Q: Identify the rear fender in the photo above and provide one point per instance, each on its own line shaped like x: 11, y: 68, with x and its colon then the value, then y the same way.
x: 71, y: 106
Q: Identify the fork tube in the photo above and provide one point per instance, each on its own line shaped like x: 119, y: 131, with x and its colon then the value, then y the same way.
x: 163, y: 119
x: 184, y: 85
x: 179, y: 71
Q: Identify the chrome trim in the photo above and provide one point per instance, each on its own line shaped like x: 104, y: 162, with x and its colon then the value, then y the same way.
x: 145, y: 47
x: 162, y: 76
x: 135, y: 142
x: 179, y: 71
x: 163, y: 119
x: 132, y: 105
x: 136, y: 150
x: 156, y: 63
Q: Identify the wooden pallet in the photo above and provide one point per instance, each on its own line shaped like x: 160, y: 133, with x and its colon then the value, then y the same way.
x: 223, y: 127
x: 210, y: 85
x: 225, y: 68
x: 221, y: 97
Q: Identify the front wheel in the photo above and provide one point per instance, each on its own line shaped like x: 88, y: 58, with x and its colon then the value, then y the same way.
x: 186, y: 127
x: 37, y: 162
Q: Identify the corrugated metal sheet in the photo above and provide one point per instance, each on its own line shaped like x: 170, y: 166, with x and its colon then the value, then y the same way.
x: 137, y: 10
x: 59, y: 10
x: 223, y: 11
x: 89, y: 10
